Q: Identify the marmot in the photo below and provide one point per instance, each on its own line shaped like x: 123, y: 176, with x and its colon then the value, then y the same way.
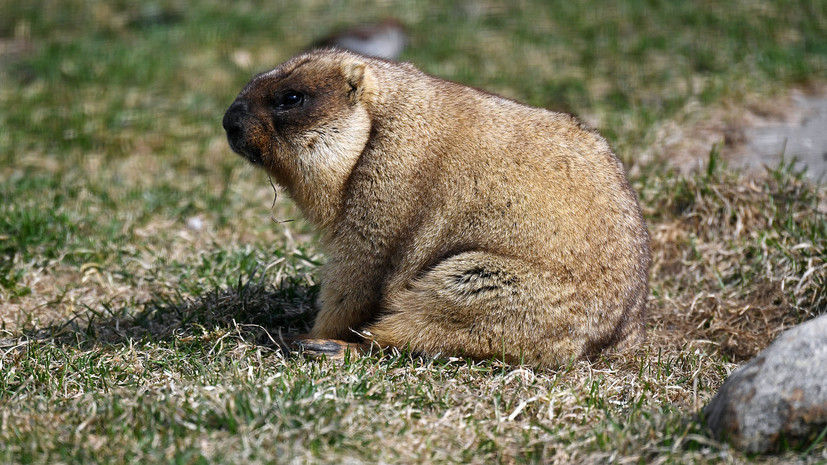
x: 455, y: 222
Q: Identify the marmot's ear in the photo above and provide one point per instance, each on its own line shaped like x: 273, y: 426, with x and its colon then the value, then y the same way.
x: 354, y: 73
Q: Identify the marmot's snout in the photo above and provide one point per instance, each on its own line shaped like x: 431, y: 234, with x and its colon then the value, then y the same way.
x: 234, y: 122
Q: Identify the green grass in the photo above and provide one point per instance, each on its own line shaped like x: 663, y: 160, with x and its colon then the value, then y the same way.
x: 143, y: 279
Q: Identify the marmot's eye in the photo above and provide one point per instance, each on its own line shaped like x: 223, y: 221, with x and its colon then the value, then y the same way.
x: 291, y: 98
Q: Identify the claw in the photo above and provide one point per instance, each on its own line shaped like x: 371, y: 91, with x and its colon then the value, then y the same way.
x: 331, y: 349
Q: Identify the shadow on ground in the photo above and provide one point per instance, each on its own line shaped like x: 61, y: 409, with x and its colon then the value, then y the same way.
x: 258, y: 310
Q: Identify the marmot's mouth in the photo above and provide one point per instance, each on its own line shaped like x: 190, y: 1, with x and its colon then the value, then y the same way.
x: 252, y: 154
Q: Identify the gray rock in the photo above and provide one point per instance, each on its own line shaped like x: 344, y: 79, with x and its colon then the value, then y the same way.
x: 779, y: 398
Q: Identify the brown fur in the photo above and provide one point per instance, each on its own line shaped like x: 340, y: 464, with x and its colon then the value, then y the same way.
x: 456, y: 222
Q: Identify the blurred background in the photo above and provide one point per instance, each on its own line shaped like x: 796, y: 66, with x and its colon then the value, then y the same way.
x: 78, y: 74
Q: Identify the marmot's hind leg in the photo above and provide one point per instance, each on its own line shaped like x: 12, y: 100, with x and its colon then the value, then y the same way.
x: 484, y: 305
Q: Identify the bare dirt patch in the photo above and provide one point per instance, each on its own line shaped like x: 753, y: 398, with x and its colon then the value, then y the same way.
x: 749, y: 134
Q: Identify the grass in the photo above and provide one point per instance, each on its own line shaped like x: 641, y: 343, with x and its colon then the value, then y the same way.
x: 143, y: 279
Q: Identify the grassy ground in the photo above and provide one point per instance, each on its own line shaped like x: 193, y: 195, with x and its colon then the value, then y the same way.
x: 142, y: 279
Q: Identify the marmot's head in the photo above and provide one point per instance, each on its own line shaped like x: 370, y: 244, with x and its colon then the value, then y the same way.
x: 305, y: 122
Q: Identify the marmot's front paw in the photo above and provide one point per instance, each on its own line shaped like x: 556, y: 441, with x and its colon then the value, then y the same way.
x: 332, y: 349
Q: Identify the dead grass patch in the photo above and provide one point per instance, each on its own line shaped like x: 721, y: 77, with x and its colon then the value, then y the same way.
x: 737, y: 259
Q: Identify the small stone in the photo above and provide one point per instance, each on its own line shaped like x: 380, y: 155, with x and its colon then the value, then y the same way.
x: 779, y: 398
x: 195, y: 223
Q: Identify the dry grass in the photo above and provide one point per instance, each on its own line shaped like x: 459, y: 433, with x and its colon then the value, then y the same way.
x: 737, y: 259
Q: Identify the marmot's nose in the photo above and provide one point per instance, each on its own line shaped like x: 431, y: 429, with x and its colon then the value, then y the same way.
x: 233, y: 117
